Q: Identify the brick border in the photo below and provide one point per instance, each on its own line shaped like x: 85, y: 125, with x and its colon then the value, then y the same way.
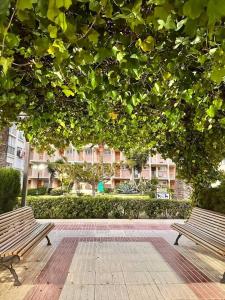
x: 96, y: 226
x: 51, y: 280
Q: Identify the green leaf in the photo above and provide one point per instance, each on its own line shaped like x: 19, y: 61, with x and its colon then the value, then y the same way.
x: 215, y: 10
x: 12, y: 40
x: 129, y: 108
x: 4, y: 5
x: 52, y: 31
x: 63, y: 3
x: 193, y: 8
x: 68, y: 92
x: 218, y: 103
x: 93, y: 79
x: 6, y: 63
x: 146, y: 45
x: 25, y: 4
x: 217, y: 75
x: 93, y: 36
x: 61, y: 21
x: 211, y: 111
x: 108, y: 9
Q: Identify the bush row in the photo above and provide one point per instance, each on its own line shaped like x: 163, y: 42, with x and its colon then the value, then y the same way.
x: 9, y: 188
x: 71, y: 207
x: 212, y: 198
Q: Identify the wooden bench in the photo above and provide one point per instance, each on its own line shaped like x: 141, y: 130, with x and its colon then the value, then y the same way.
x: 206, y: 228
x: 19, y: 234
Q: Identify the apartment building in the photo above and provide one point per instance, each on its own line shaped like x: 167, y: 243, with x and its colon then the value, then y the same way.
x: 156, y: 167
x: 12, y: 149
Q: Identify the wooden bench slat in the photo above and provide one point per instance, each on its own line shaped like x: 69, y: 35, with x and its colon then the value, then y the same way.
x: 34, y: 242
x: 27, y: 240
x: 16, y: 239
x: 14, y: 212
x: 23, y: 242
x: 208, y: 215
x: 13, y: 221
x: 11, y: 232
x: 214, y: 230
x: 219, y: 222
x: 208, y: 212
x: 203, y: 235
x: 198, y: 240
x: 19, y: 234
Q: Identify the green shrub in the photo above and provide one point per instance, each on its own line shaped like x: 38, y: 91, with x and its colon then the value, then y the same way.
x: 127, y: 188
x: 37, y: 191
x: 212, y: 198
x: 57, y: 191
x: 9, y: 188
x: 72, y: 207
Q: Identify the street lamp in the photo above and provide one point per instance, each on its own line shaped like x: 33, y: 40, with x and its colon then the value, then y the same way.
x: 38, y: 167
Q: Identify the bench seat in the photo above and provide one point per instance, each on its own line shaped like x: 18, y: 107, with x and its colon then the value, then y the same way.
x: 19, y: 234
x: 206, y: 228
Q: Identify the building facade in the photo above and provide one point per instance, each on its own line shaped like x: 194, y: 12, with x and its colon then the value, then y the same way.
x: 156, y: 167
x: 12, y: 149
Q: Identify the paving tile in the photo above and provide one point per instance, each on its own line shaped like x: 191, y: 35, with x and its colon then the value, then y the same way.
x: 111, y: 292
x: 116, y: 259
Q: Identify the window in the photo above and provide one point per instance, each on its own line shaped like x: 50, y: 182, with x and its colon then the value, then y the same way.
x: 19, y: 152
x: 12, y: 130
x: 164, y: 168
x: 20, y: 135
x: 88, y: 151
x: 12, y: 141
x: 107, y: 152
x: 69, y: 151
x: 11, y: 150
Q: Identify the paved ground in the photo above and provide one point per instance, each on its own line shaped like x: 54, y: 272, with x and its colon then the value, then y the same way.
x: 116, y: 259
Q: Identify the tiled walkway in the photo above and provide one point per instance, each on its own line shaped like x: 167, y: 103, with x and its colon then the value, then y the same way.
x: 116, y: 259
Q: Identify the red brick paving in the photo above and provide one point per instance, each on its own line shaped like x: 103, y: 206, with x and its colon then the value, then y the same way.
x: 96, y: 226
x: 50, y: 281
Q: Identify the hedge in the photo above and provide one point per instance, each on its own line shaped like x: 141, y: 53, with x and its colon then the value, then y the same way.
x: 212, y: 198
x: 9, y: 188
x: 71, y: 207
x: 37, y: 191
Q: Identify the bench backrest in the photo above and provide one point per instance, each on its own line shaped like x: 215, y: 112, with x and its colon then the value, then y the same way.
x: 14, y: 222
x: 209, y: 222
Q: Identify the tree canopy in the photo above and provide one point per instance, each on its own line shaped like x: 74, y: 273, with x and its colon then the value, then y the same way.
x: 144, y: 73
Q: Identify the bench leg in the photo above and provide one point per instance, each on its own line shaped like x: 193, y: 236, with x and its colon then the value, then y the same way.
x: 49, y: 243
x: 7, y: 263
x: 177, y: 239
x: 223, y: 279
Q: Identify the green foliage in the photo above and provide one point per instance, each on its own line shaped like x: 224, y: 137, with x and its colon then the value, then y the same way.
x: 212, y: 198
x: 37, y: 191
x: 57, y: 192
x: 148, y: 187
x: 144, y: 74
x: 9, y: 188
x: 127, y: 188
x: 68, y: 207
x: 84, y: 172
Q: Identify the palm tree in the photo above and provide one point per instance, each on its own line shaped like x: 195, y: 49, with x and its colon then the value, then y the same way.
x: 51, y: 167
x: 136, y: 161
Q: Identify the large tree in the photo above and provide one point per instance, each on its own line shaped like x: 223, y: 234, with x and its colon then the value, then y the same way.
x: 126, y: 73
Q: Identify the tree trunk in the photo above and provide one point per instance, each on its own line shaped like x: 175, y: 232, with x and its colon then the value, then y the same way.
x: 50, y: 183
x: 132, y: 175
x: 4, y: 135
x: 93, y: 189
